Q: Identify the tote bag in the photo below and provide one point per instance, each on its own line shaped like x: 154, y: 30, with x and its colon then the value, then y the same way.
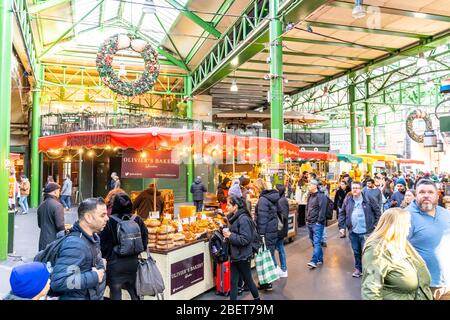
x: 149, y: 281
x: 265, y: 267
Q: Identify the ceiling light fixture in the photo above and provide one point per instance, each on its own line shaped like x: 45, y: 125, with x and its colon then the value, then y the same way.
x: 422, y: 61
x: 358, y: 11
x: 149, y: 7
x: 234, y: 87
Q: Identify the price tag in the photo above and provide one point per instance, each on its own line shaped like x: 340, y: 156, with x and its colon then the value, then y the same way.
x: 192, y: 219
x: 185, y: 221
x: 180, y: 227
x: 168, y: 216
x: 203, y: 216
x: 154, y: 214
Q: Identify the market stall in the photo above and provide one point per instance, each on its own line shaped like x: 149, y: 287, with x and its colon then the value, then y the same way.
x: 380, y: 162
x: 409, y: 165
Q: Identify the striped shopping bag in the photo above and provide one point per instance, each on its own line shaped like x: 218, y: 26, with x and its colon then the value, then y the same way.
x: 265, y: 267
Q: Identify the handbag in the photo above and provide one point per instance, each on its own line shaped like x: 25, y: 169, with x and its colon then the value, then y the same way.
x: 149, y: 281
x: 265, y: 267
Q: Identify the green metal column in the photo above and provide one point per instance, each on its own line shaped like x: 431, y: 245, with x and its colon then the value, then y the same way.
x: 276, y: 82
x: 353, y: 132
x: 35, y: 132
x: 190, y: 113
x: 368, y: 125
x: 5, y: 109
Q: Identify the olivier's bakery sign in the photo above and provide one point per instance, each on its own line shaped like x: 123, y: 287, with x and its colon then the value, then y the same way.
x: 186, y: 273
x: 156, y: 164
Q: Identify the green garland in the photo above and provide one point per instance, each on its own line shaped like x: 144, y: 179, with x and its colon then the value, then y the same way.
x: 109, y: 77
x: 417, y: 114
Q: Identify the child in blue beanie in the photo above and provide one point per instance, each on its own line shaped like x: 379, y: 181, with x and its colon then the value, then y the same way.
x: 29, y: 281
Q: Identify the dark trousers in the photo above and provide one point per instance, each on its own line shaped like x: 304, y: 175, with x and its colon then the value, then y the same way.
x: 198, y: 205
x: 357, y: 241
x: 242, y: 269
x: 116, y: 290
x: 301, y: 215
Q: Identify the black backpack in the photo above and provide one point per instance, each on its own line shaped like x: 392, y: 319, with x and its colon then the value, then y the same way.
x: 129, y: 236
x: 257, y: 240
x: 51, y: 251
x: 218, y: 247
x: 330, y: 208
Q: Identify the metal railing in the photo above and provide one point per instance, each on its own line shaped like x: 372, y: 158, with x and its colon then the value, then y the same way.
x: 59, y: 123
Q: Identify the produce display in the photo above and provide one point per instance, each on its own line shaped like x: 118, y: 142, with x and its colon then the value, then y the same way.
x: 163, y: 235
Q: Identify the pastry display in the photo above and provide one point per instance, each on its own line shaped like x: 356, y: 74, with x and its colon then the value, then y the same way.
x: 152, y: 230
x: 152, y: 223
x: 152, y: 237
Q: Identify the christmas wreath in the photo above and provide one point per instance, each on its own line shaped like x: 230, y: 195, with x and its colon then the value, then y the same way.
x: 417, y: 114
x: 109, y: 77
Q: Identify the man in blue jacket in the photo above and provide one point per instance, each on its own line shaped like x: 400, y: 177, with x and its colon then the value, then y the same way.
x: 398, y: 196
x: 79, y: 271
x: 430, y: 236
x: 359, y: 214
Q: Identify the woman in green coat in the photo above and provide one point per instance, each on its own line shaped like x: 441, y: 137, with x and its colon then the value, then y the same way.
x: 392, y: 268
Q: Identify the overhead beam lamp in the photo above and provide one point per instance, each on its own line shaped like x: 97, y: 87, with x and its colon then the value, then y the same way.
x: 234, y: 87
x: 149, y: 7
x: 358, y: 11
x: 422, y: 61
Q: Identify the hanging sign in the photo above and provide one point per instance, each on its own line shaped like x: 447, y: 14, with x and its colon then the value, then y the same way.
x: 155, y: 164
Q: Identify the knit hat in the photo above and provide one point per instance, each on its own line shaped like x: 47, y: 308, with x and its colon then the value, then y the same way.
x: 315, y: 182
x: 122, y: 204
x: 235, y: 190
x: 51, y: 186
x: 401, y: 181
x: 28, y: 280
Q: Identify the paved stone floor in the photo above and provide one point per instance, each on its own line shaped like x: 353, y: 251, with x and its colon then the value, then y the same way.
x: 332, y: 280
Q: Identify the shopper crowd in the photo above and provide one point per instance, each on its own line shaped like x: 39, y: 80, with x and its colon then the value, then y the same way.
x: 396, y: 224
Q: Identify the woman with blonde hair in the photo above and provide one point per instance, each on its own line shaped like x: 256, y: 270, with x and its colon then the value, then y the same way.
x: 392, y: 268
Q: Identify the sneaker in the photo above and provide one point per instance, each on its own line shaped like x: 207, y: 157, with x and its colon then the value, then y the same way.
x: 267, y: 287
x: 356, y: 273
x: 324, y: 244
x: 312, y: 265
x: 283, y: 274
x: 319, y: 263
x: 278, y: 270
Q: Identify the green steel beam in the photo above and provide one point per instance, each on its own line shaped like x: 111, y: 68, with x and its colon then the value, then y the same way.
x: 245, y: 39
x: 35, y: 133
x: 6, y: 49
x: 353, y: 132
x: 337, y: 44
x: 276, y: 83
x: 368, y: 115
x: 366, y: 30
x: 101, y: 16
x: 37, y: 8
x: 120, y: 10
x: 288, y: 64
x: 190, y: 114
x: 394, y: 11
x: 23, y: 20
x: 195, y: 18
x: 318, y: 55
x: 65, y: 33
x: 285, y: 73
x: 261, y: 78
x: 168, y: 36
x: 215, y: 21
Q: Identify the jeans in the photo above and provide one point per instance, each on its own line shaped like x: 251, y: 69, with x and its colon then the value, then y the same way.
x: 357, y: 241
x: 281, y: 255
x: 324, y: 236
x: 23, y: 202
x: 242, y: 269
x: 315, y: 235
x: 199, y: 205
x: 116, y: 290
x: 65, y: 200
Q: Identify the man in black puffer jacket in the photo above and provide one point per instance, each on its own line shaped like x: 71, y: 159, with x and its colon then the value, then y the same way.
x: 283, y: 213
x: 79, y: 272
x: 197, y: 190
x: 267, y: 221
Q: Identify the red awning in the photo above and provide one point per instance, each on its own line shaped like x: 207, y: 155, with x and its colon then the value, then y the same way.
x: 316, y: 155
x: 164, y: 138
x: 409, y: 161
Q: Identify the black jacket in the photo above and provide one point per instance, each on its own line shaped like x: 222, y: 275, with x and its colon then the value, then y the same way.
x: 72, y: 275
x: 241, y: 228
x: 143, y: 204
x: 120, y: 268
x: 339, y: 197
x: 266, y: 217
x: 197, y: 190
x: 50, y: 216
x: 371, y: 211
x: 316, y: 208
x: 283, y: 213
